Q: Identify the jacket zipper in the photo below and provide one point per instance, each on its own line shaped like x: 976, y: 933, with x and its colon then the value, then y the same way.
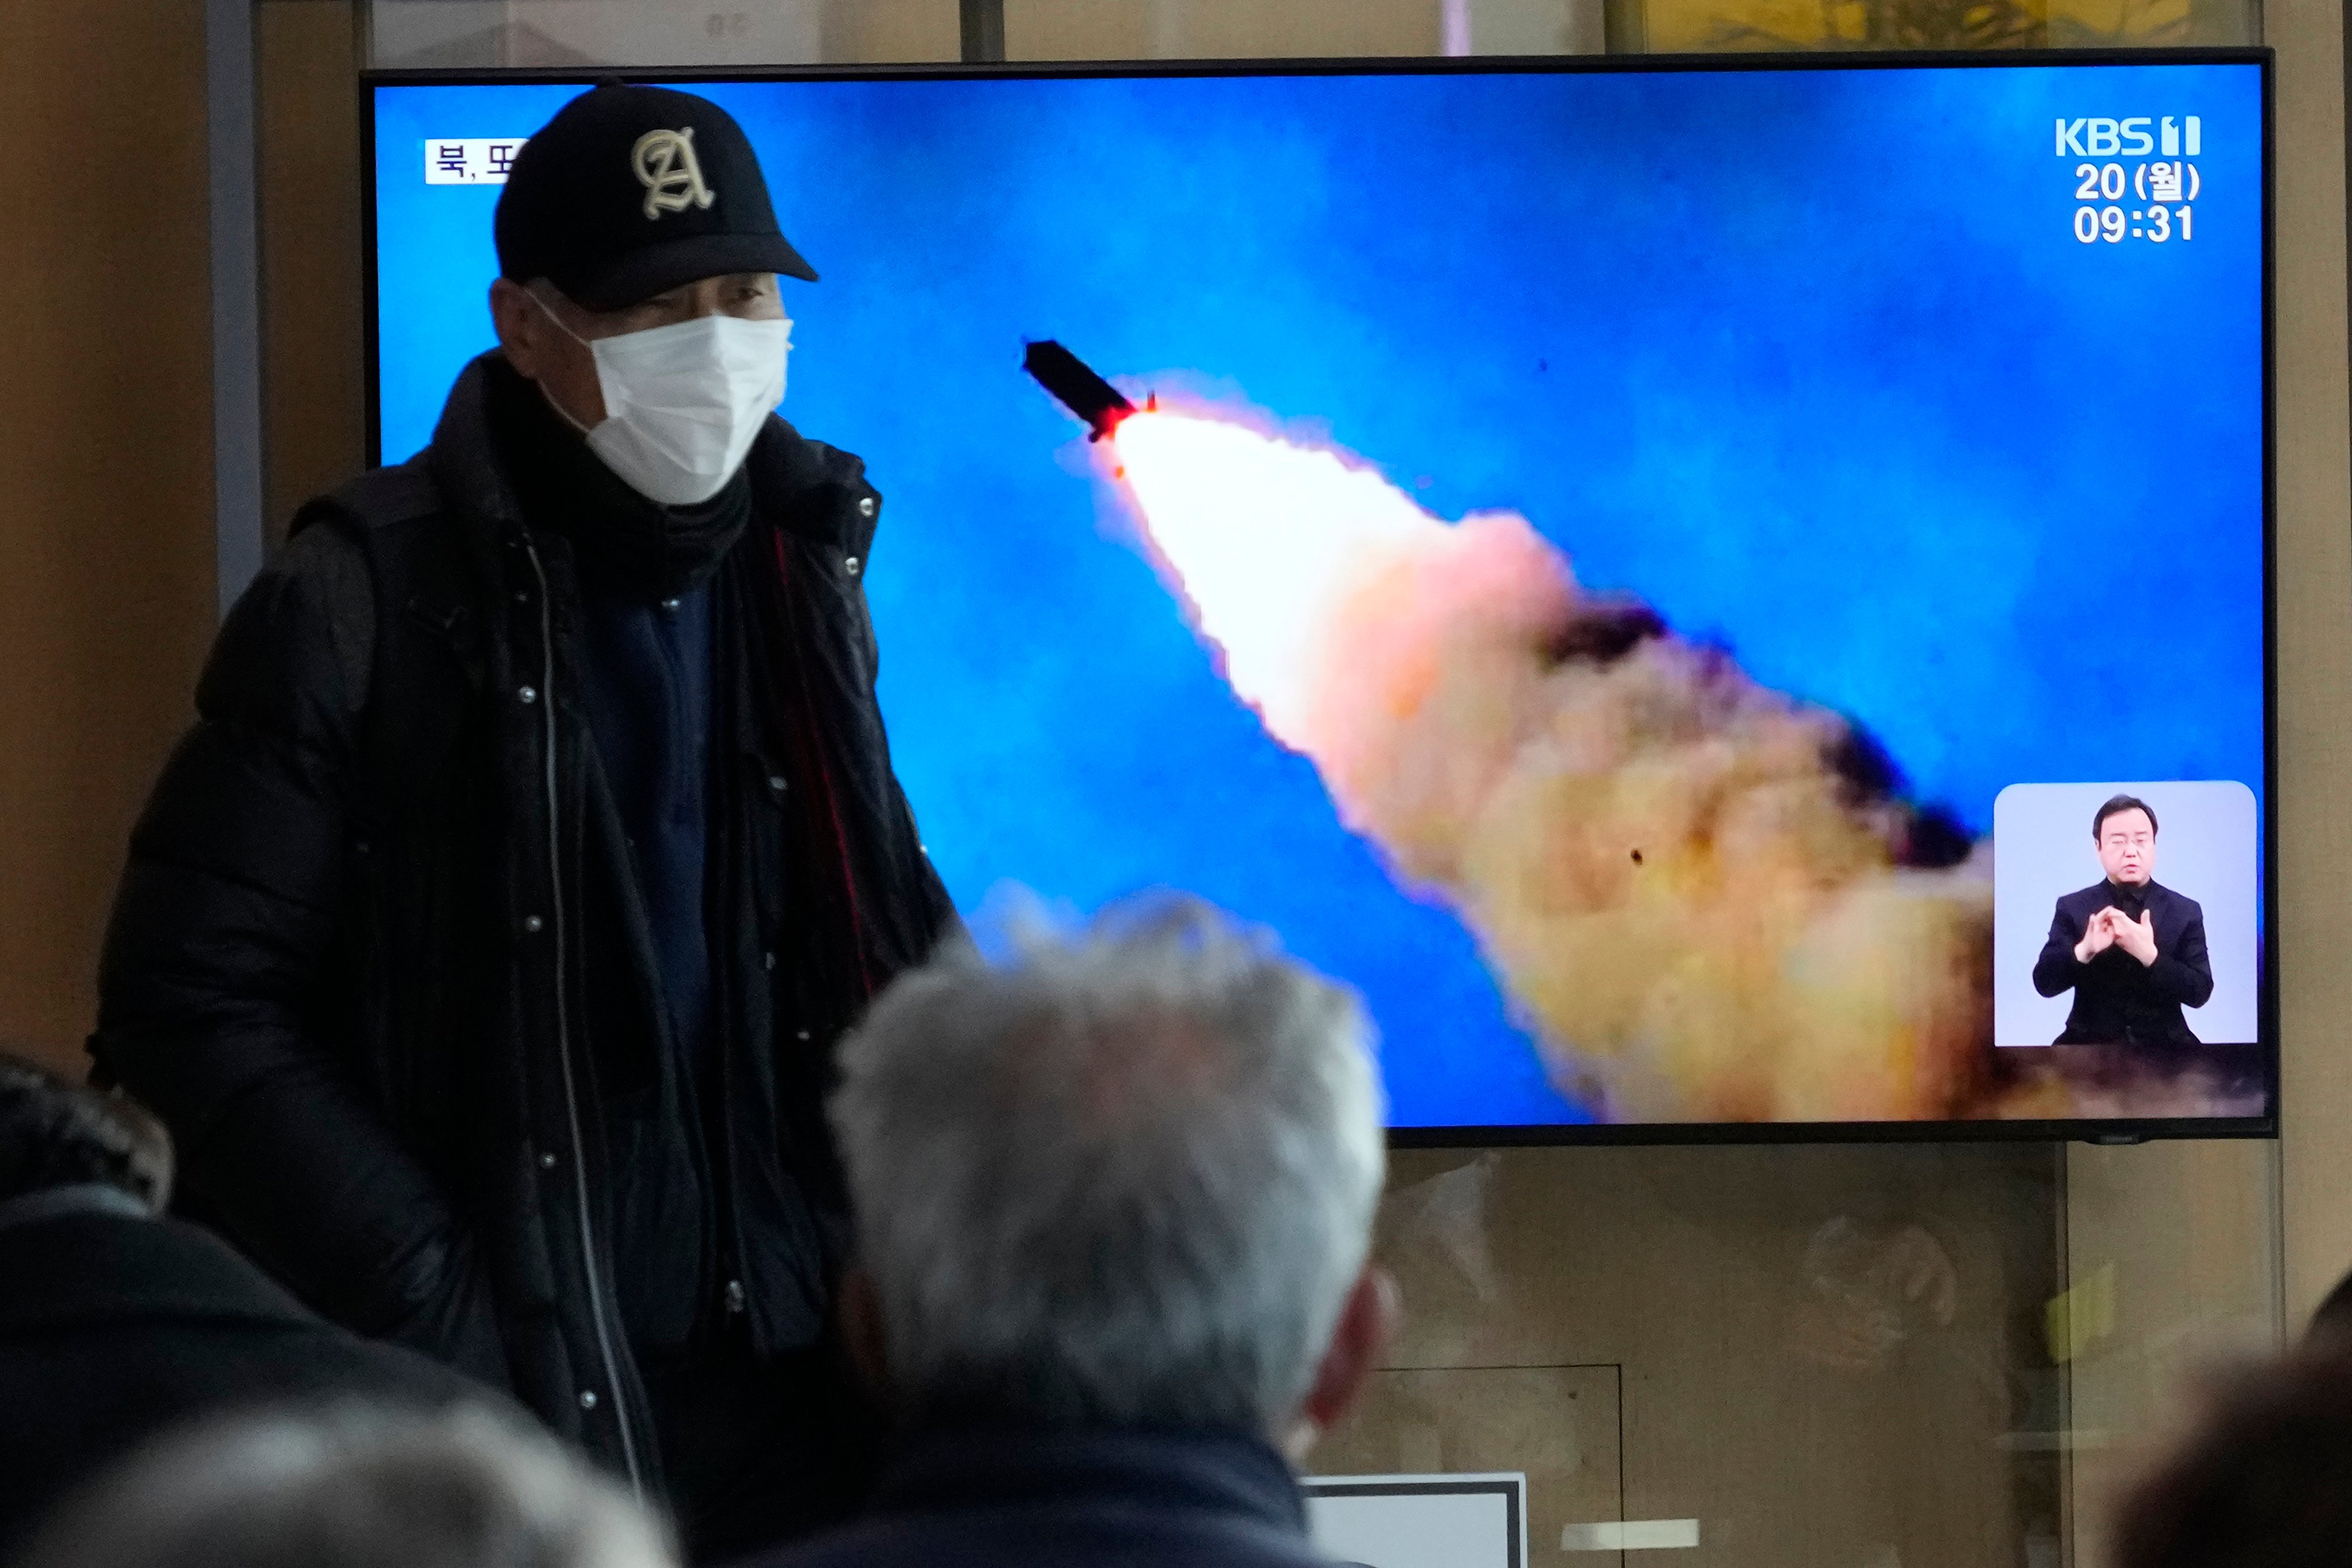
x: 563, y: 1031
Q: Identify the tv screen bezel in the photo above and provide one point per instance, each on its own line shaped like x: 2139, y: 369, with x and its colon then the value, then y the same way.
x: 1540, y: 1135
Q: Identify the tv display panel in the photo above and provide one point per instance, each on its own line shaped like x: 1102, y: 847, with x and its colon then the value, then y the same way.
x: 1600, y: 550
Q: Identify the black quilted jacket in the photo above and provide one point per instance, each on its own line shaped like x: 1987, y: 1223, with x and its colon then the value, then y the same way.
x: 349, y: 962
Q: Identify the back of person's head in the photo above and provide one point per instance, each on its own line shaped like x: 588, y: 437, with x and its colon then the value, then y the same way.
x: 2264, y: 1480
x: 352, y: 1488
x: 1124, y: 1175
x: 55, y: 1133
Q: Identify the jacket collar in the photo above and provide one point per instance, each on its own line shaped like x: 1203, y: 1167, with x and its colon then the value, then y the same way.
x: 793, y: 477
x: 464, y: 464
x: 76, y: 1270
x: 1219, y: 1473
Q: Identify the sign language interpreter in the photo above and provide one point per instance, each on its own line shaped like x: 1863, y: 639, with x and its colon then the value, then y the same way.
x: 2131, y: 949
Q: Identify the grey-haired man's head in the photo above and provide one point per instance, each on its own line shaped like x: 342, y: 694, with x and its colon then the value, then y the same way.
x: 1123, y: 1175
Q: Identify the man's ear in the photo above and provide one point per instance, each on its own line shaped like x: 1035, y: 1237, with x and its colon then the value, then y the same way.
x: 1368, y: 1323
x: 860, y: 1307
x: 521, y: 324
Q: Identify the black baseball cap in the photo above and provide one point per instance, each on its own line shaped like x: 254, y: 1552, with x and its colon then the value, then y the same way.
x: 631, y: 190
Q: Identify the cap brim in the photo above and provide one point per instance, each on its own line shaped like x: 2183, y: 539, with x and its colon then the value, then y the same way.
x: 642, y: 274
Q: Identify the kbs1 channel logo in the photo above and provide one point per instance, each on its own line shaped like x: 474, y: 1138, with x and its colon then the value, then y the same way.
x: 2151, y: 158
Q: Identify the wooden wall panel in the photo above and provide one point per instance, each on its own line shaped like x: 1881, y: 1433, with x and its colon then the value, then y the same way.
x: 106, y: 508
x: 1216, y: 29
x: 314, y: 285
x: 2314, y: 647
x: 891, y: 30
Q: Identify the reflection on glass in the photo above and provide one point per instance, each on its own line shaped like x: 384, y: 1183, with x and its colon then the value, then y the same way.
x: 1691, y: 26
x: 480, y: 35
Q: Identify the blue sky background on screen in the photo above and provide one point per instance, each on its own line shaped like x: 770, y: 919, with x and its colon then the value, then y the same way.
x: 1813, y: 361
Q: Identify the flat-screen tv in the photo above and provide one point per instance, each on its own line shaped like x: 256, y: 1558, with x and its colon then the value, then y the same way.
x: 1657, y: 572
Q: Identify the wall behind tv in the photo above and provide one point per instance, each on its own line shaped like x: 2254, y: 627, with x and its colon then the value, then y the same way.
x: 106, y: 509
x: 2315, y: 645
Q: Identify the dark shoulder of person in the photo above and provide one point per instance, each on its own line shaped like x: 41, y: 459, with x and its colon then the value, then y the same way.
x: 2264, y: 1480
x: 116, y: 1328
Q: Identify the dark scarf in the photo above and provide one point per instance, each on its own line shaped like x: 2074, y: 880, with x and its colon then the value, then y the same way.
x: 622, y: 542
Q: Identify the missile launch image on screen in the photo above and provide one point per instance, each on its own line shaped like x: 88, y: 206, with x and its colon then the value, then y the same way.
x: 1703, y: 897
x: 1577, y: 555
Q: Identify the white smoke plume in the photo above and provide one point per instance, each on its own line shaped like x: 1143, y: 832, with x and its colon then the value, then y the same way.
x: 1699, y: 892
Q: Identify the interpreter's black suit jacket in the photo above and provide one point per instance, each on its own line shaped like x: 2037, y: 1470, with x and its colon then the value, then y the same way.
x: 2118, y: 1001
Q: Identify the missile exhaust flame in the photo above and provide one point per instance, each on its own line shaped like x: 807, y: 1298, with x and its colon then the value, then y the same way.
x: 1267, y: 543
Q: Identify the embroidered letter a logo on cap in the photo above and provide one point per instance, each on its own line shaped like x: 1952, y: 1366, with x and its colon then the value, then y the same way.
x: 666, y: 165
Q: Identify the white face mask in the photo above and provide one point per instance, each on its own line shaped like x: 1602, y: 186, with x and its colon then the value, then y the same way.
x: 683, y: 403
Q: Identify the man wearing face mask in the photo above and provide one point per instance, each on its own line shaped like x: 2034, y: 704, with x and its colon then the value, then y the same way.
x: 485, y: 943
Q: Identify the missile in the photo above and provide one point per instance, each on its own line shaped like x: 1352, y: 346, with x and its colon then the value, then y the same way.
x: 1076, y: 387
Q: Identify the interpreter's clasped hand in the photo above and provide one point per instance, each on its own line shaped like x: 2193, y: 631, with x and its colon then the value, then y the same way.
x: 2135, y: 937
x: 2098, y: 935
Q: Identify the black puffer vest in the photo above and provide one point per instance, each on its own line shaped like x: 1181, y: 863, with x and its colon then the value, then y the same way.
x: 347, y: 963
